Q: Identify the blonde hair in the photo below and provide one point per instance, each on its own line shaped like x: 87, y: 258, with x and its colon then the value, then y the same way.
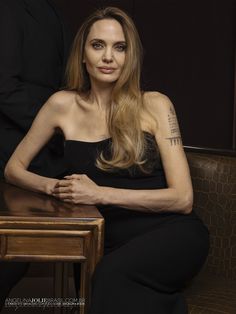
x: 124, y: 116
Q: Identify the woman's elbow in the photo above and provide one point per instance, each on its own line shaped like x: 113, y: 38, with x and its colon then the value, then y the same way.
x: 184, y: 202
x: 187, y: 204
x: 10, y: 172
x: 7, y: 173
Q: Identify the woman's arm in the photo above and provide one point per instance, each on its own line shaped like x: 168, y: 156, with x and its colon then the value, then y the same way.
x: 178, y: 197
x: 42, y: 129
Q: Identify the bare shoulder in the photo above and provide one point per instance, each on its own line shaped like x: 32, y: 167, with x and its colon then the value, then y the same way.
x: 61, y: 101
x: 158, y: 103
x: 167, y: 126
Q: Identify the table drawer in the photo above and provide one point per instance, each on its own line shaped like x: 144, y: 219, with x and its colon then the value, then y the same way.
x: 44, y: 245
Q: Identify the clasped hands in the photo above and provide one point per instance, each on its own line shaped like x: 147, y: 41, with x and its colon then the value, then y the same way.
x: 77, y: 189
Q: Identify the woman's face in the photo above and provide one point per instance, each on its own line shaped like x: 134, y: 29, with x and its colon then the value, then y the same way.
x: 104, y: 53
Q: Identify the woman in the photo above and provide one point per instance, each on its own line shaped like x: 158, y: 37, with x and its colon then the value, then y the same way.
x: 124, y: 154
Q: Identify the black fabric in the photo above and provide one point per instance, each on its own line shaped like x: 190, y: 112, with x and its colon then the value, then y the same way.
x: 10, y: 274
x: 148, y: 257
x: 33, y: 54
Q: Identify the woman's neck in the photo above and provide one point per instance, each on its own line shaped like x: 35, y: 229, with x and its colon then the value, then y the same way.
x: 100, y: 95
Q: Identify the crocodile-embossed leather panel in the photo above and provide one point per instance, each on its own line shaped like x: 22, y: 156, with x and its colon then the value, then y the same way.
x: 213, y: 291
x: 214, y: 184
x: 210, y: 294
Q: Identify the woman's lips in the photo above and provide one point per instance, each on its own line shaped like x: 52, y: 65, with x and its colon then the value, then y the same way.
x: 106, y: 70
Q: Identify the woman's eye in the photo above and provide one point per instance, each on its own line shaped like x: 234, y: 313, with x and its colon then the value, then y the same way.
x: 97, y: 45
x: 120, y: 47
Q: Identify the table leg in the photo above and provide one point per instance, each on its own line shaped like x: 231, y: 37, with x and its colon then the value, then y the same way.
x: 61, y: 272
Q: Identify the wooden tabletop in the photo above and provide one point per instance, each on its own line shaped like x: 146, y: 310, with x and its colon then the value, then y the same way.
x: 19, y: 204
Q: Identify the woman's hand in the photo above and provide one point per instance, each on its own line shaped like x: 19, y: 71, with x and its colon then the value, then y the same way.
x: 50, y: 184
x: 77, y: 189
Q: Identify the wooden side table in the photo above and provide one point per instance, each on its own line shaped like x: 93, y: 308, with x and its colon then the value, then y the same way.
x: 35, y: 227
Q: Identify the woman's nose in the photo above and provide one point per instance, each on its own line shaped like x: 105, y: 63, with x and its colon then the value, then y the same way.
x: 108, y: 56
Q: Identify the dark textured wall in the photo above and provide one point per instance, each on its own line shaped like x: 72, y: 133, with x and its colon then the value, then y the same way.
x: 189, y: 55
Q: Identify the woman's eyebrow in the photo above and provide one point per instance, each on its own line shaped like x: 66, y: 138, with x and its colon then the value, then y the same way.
x: 121, y: 42
x: 103, y: 41
x: 97, y: 40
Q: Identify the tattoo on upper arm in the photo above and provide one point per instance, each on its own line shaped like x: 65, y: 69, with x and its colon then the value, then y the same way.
x: 175, y: 138
x: 173, y: 123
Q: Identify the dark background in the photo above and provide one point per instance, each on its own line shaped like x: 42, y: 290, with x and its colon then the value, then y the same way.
x: 189, y: 56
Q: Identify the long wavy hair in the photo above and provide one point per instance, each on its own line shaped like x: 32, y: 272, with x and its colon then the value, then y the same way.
x: 124, y: 116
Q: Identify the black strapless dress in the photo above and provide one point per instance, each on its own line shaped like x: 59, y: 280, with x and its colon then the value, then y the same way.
x: 148, y: 257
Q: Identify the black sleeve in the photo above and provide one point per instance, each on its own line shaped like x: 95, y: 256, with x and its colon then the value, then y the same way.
x: 16, y: 104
